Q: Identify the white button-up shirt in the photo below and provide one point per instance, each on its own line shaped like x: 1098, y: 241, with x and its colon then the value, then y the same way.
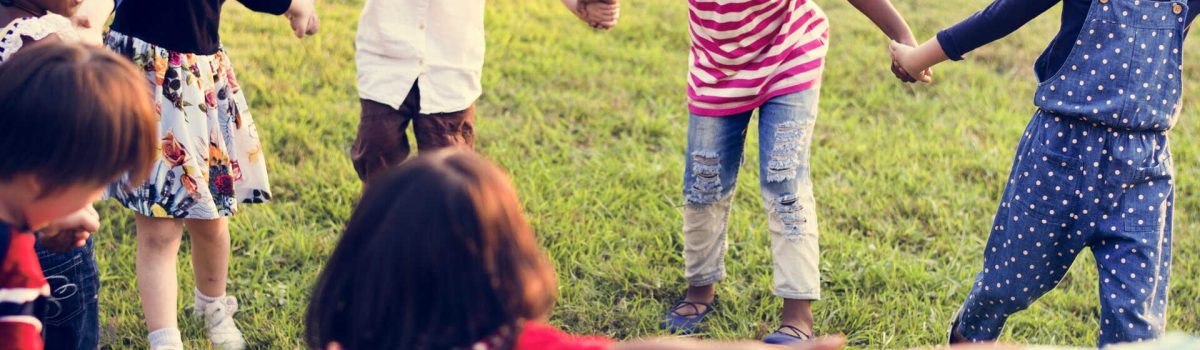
x: 436, y: 43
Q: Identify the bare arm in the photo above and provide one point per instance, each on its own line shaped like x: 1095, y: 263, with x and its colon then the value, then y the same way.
x: 885, y: 16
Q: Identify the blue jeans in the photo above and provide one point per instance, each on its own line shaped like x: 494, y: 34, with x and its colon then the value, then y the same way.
x: 715, y: 146
x: 70, y: 316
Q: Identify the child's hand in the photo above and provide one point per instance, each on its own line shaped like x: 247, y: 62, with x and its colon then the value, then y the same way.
x: 70, y: 232
x: 600, y: 14
x: 902, y: 64
x: 303, y: 16
x: 89, y: 20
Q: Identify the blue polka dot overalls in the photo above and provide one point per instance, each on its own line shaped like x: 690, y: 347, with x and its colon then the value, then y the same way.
x: 1093, y: 169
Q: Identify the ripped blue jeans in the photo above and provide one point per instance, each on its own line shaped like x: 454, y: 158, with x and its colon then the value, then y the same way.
x: 715, y: 147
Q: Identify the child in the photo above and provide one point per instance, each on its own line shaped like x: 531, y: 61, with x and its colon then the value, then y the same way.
x: 92, y: 104
x: 461, y: 271
x: 72, y: 318
x: 1093, y: 168
x: 420, y: 61
x: 766, y: 55
x: 211, y: 158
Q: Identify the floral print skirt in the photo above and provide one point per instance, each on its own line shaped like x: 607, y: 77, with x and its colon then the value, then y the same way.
x: 211, y: 158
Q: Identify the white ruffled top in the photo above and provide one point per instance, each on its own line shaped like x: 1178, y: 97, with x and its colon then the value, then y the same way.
x: 12, y: 37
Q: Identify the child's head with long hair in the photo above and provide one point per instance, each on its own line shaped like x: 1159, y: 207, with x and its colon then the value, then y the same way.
x: 73, y: 119
x: 437, y: 255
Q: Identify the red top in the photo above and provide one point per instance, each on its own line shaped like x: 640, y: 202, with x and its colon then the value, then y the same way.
x: 21, y: 283
x: 537, y: 336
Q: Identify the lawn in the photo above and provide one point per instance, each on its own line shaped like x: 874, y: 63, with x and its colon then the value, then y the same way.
x: 592, y: 127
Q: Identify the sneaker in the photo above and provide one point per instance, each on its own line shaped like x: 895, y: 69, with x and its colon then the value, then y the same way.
x: 218, y: 320
x: 787, y: 335
x: 681, y: 322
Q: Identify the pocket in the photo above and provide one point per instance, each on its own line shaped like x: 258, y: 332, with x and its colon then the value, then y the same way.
x: 1145, y: 194
x: 1046, y: 184
x: 67, y: 294
x: 1155, y: 74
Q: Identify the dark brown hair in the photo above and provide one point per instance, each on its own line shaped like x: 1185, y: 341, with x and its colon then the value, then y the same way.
x: 437, y: 255
x: 72, y: 114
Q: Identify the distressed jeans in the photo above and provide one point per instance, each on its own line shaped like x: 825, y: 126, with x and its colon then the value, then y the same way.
x: 715, y: 147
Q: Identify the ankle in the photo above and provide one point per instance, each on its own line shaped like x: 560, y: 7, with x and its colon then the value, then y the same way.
x: 701, y: 294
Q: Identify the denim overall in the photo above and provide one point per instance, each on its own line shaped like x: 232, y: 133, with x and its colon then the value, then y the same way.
x: 1093, y: 169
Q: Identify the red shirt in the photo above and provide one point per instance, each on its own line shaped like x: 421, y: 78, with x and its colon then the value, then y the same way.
x: 21, y: 283
x: 537, y: 336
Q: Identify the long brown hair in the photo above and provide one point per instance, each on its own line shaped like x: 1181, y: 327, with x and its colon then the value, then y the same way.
x: 74, y: 114
x: 437, y: 255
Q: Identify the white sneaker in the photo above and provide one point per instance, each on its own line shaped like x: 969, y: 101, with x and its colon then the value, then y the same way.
x: 218, y: 320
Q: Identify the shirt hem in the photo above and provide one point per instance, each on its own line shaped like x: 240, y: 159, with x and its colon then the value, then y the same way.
x: 757, y: 102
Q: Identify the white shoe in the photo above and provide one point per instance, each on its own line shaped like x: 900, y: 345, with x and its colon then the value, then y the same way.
x: 218, y: 320
x: 168, y: 347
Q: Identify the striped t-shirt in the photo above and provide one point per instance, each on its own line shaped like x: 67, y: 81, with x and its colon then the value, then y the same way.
x: 21, y: 284
x: 744, y: 52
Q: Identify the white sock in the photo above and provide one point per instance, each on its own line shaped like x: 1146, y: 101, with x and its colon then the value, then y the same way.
x: 203, y: 300
x: 165, y: 336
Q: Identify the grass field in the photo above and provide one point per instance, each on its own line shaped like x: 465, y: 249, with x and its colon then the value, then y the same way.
x: 592, y: 127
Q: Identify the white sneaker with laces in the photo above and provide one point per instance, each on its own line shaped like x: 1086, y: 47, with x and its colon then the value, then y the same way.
x: 218, y: 320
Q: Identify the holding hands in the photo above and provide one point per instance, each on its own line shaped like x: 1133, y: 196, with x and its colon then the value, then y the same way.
x: 905, y: 60
x: 303, y: 16
x: 600, y: 14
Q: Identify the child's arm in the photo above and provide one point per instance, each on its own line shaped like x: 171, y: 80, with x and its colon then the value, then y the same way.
x: 998, y: 20
x: 600, y: 14
x: 885, y: 16
x: 301, y: 13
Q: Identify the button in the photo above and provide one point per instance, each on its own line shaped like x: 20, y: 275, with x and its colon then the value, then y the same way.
x: 1177, y: 8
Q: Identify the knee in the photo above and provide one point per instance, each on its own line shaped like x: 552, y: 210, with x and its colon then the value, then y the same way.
x: 159, y: 239
x: 705, y: 187
x: 788, y: 209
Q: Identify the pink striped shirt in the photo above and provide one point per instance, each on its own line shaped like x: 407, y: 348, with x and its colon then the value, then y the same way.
x: 744, y: 52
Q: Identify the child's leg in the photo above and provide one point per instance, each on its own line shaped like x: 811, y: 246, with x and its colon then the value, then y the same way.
x: 1035, y: 236
x: 210, y: 254
x: 785, y: 131
x: 440, y: 130
x: 714, y: 154
x: 210, y: 262
x: 1132, y: 245
x: 381, y: 141
x: 158, y: 285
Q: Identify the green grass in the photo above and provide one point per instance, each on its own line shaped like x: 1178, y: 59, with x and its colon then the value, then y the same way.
x: 592, y: 127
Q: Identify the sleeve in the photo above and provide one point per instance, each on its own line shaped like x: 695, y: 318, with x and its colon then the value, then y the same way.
x: 998, y: 20
x: 274, y: 7
x: 19, y: 328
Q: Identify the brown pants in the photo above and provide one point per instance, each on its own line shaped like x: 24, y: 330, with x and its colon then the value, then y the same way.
x: 381, y: 142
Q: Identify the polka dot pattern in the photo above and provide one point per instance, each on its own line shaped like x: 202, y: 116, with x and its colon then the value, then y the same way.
x: 1074, y: 185
x: 1093, y: 170
x: 1125, y: 68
